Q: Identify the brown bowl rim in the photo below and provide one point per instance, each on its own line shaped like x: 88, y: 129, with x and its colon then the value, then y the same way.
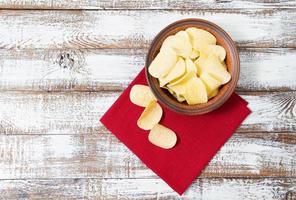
x: 228, y: 92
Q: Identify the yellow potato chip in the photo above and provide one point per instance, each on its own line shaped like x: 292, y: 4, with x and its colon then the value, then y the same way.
x: 170, y: 42
x: 203, y: 55
x: 162, y: 63
x: 213, y: 94
x: 216, y: 50
x: 194, y: 54
x: 215, y: 68
x: 185, y: 50
x: 177, y: 71
x: 179, y: 43
x: 162, y: 137
x: 196, y: 34
x: 180, y: 98
x: 183, y: 78
x: 198, y: 64
x: 210, y: 82
x: 179, y: 85
x: 190, y: 66
x: 141, y: 95
x: 179, y: 89
x: 195, y: 91
x: 200, y: 45
x: 150, y: 116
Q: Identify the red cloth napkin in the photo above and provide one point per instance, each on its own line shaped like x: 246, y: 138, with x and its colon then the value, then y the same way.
x: 199, y: 137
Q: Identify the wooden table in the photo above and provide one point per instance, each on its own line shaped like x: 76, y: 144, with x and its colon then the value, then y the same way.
x: 63, y: 63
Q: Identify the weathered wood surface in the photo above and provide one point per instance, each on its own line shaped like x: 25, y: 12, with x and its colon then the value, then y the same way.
x: 101, y: 155
x: 135, y: 29
x: 62, y: 67
x: 142, y: 4
x: 271, y: 69
x: 204, y: 189
x: 79, y: 113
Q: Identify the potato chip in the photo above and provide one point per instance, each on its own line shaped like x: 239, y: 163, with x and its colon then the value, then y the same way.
x: 194, y: 54
x: 162, y: 63
x: 186, y: 48
x: 180, y: 98
x: 179, y: 43
x: 190, y: 66
x: 179, y: 85
x: 213, y: 94
x: 162, y: 137
x: 195, y: 91
x: 182, y: 78
x: 179, y: 89
x: 215, y: 68
x: 210, y: 82
x: 190, y: 71
x: 170, y: 42
x: 216, y: 50
x: 196, y: 34
x: 177, y: 71
x: 203, y: 55
x: 150, y: 116
x: 141, y: 95
x: 200, y: 45
x: 199, y: 63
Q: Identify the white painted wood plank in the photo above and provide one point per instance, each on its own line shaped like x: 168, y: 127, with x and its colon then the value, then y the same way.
x: 204, y: 189
x: 21, y: 29
x: 79, y: 113
x: 142, y: 4
x: 101, y: 155
x: 112, y: 69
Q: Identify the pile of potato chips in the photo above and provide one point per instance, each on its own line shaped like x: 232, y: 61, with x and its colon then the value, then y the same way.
x: 159, y: 135
x: 191, y: 66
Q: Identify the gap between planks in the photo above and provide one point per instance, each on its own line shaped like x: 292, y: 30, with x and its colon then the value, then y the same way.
x: 142, y: 4
x: 147, y: 9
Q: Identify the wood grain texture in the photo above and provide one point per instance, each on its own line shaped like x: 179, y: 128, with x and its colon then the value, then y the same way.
x: 271, y: 69
x: 142, y: 4
x: 64, y: 64
x: 79, y: 113
x: 135, y: 29
x: 203, y: 189
x: 101, y: 155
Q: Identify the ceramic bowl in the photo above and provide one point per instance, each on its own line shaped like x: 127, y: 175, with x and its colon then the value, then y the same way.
x: 232, y: 61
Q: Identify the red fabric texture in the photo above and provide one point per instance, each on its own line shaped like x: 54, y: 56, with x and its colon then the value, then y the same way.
x: 199, y: 137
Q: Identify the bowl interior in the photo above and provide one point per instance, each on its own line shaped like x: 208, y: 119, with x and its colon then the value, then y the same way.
x: 232, y: 62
